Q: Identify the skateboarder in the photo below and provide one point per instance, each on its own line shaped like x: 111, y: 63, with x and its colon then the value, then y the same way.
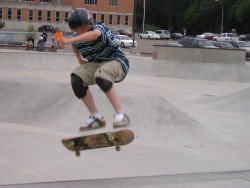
x: 101, y: 62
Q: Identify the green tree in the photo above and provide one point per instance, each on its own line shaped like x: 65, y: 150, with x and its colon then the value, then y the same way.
x: 200, y: 17
x: 242, y: 14
x: 31, y: 28
x: 2, y: 25
x: 196, y: 16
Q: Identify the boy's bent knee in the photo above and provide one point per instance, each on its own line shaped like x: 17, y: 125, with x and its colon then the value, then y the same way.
x: 78, y: 86
x: 105, y: 85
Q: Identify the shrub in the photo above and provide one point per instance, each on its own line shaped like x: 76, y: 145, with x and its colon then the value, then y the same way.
x: 2, y: 25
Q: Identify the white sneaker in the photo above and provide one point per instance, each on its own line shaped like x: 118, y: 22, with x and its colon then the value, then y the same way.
x: 121, y: 120
x: 93, y: 122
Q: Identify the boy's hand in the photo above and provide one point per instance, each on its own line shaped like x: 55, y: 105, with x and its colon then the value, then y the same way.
x: 61, y: 43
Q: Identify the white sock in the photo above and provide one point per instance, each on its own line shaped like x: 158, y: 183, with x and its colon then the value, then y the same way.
x: 91, y: 120
x: 118, y: 117
x: 97, y: 116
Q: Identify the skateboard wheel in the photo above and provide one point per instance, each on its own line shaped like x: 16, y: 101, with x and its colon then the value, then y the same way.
x: 111, y: 138
x: 118, y: 148
x: 78, y: 153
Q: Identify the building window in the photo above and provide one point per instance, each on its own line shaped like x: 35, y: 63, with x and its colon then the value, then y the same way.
x: 66, y: 16
x: 91, y: 2
x: 48, y: 16
x: 113, y: 2
x: 29, y: 0
x: 39, y: 15
x: 1, y: 13
x: 45, y: 1
x: 57, y: 16
x: 110, y: 19
x: 126, y: 20
x: 94, y: 17
x: 18, y: 14
x: 102, y: 18
x: 9, y: 13
x: 119, y: 19
x: 30, y: 15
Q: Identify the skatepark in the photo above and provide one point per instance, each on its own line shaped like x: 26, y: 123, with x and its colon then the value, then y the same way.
x: 190, y: 120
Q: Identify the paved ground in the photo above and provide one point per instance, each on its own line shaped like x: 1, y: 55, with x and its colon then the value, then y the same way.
x: 191, y: 124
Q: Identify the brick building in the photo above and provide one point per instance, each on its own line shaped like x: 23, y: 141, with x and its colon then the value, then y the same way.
x: 19, y: 14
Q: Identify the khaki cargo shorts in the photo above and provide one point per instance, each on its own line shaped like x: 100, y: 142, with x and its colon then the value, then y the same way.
x: 109, y: 70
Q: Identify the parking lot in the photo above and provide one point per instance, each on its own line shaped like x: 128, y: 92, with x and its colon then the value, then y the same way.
x: 144, y: 46
x: 147, y: 45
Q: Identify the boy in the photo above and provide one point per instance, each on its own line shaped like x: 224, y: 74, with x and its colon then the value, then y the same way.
x: 101, y: 62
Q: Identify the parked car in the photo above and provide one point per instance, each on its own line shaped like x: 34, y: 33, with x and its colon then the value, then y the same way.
x: 247, y: 37
x: 176, y: 36
x: 223, y: 45
x: 242, y: 45
x: 196, y: 42
x: 149, y: 35
x: 226, y: 37
x: 124, y: 41
x: 164, y: 34
x: 47, y: 28
x: 186, y: 42
x: 125, y: 32
x: 208, y: 36
x: 244, y: 37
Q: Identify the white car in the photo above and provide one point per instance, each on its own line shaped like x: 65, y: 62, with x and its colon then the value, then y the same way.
x: 164, y: 34
x: 225, y: 37
x: 242, y: 45
x: 149, y: 35
x: 124, y: 41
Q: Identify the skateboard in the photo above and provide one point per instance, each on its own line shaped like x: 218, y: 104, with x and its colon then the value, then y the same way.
x: 95, y: 141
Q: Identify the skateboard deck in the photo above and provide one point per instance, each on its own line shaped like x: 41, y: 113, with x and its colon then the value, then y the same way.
x: 95, y: 141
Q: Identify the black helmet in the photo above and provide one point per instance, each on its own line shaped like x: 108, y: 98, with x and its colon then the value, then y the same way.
x: 78, y: 17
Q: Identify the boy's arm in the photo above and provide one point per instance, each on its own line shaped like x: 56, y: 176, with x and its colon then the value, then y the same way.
x: 85, y: 37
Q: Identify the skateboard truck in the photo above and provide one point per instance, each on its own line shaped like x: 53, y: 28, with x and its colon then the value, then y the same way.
x: 76, y: 146
x: 113, y: 140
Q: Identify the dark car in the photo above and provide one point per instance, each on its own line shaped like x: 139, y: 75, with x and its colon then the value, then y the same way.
x: 244, y: 37
x: 186, y: 42
x: 247, y: 37
x: 176, y: 36
x: 196, y: 42
x: 125, y: 32
x: 47, y: 28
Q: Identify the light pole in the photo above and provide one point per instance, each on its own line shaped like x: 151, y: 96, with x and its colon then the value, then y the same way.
x: 222, y: 11
x: 144, y: 12
x: 134, y: 18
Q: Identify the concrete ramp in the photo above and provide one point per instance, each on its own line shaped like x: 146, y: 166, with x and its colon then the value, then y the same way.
x: 169, y: 104
x: 237, y: 102
x: 53, y: 106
